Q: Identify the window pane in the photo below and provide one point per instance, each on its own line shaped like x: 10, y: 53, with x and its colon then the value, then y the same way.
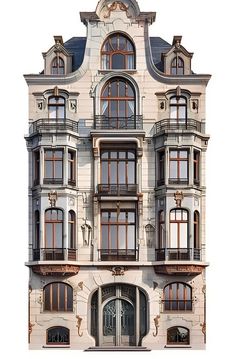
x: 122, y: 237
x: 105, y: 237
x: 183, y: 154
x: 173, y: 154
x: 52, y: 112
x: 182, y: 112
x: 173, y: 112
x: 47, y: 298
x: 181, y: 291
x: 122, y: 217
x: 113, y: 237
x: 48, y: 169
x: 69, y: 298
x: 184, y: 215
x: 104, y: 216
x: 183, y: 235
x: 131, y: 172
x: 61, y: 112
x: 55, y: 296
x: 174, y: 235
x: 48, y: 229
x: 122, y: 89
x: 58, y: 232
x: 178, y: 214
x: 58, y: 169
x: 130, y: 62
x: 183, y: 169
x: 121, y: 171
x: 113, y: 172
x: 174, y: 291
x: 114, y: 89
x: 118, y: 61
x: 131, y: 217
x: 122, y: 109
x: 104, y: 172
x: 131, y: 237
x: 104, y: 154
x: 61, y: 297
x: 173, y: 169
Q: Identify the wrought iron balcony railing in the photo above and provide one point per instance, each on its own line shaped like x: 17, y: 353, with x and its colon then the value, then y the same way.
x: 54, y: 254
x: 54, y: 124
x: 118, y: 254
x: 117, y: 189
x: 172, y: 124
x: 134, y: 122
x: 177, y: 305
x: 176, y: 254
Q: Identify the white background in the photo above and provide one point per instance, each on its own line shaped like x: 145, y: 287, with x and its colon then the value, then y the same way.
x: 208, y: 30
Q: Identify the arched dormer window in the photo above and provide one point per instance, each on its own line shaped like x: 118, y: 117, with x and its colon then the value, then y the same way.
x: 118, y: 105
x: 58, y: 297
x: 179, y: 229
x: 177, y: 296
x: 58, y: 66
x: 177, y: 66
x: 178, y: 336
x: 118, y: 53
x: 56, y: 107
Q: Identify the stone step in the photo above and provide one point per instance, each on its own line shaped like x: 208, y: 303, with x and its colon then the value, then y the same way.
x: 118, y: 349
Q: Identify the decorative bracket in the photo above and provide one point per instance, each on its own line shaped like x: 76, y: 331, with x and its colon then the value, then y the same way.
x: 118, y: 270
x: 79, y: 321
x: 156, y: 322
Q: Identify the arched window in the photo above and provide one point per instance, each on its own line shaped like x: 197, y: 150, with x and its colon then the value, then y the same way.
x: 56, y: 107
x: 178, y: 110
x: 54, y: 234
x: 178, y: 335
x: 118, y: 53
x: 71, y: 229
x: 58, y: 66
x: 179, y: 223
x: 177, y: 66
x: 58, y: 297
x: 177, y: 296
x: 161, y: 230
x: 118, y: 105
x: 196, y: 235
x: 58, y: 336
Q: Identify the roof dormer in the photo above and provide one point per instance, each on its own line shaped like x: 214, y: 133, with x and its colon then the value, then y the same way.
x: 57, y: 60
x: 177, y: 61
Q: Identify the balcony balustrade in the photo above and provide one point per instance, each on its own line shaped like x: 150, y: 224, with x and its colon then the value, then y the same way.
x: 134, y: 122
x: 118, y: 254
x: 178, y: 254
x: 171, y: 124
x: 54, y: 124
x: 117, y: 189
x: 54, y: 254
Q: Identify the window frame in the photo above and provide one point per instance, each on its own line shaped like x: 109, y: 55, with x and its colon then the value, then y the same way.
x: 71, y: 230
x: 196, y: 230
x: 108, y: 52
x: 179, y: 106
x: 179, y: 166
x: 71, y: 167
x: 56, y: 104
x: 57, y: 343
x: 179, y: 299
x: 178, y: 222
x: 67, y: 291
x: 161, y: 230
x: 53, y: 223
x: 36, y: 167
x: 53, y: 161
x: 58, y: 66
x: 196, y: 167
x: 177, y: 66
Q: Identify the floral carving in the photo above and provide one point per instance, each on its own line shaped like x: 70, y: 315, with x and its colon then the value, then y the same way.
x: 79, y: 321
x: 116, y: 5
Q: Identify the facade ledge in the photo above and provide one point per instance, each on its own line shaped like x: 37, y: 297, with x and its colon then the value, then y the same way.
x: 169, y: 346
x: 54, y: 268
x: 180, y: 267
x: 117, y: 132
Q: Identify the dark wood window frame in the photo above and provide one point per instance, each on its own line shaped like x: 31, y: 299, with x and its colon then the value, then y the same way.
x: 178, y: 222
x: 37, y: 229
x: 178, y: 337
x: 177, y: 66
x: 62, y: 336
x: 196, y: 230
x: 58, y: 297
x: 53, y: 224
x: 71, y: 230
x: 180, y: 161
x: 177, y: 296
x: 161, y: 168
x: 161, y: 236
x: 179, y: 103
x: 117, y: 45
x: 196, y: 167
x: 58, y: 66
x: 36, y: 167
x: 56, y: 107
x: 52, y: 158
x: 71, y: 167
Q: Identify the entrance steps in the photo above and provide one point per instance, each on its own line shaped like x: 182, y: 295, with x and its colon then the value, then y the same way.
x: 118, y: 349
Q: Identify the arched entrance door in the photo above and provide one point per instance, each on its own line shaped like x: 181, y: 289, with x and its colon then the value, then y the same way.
x: 118, y: 315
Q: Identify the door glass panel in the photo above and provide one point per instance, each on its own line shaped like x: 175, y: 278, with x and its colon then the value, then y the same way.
x: 127, y: 318
x: 109, y: 319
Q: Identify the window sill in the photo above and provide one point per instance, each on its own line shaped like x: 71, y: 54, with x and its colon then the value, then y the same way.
x: 56, y: 346
x: 178, y: 346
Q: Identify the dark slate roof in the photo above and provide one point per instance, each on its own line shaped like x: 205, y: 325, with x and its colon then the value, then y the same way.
x: 76, y: 47
x: 159, y: 46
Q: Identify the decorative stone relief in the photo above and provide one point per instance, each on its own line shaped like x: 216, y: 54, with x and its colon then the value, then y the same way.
x: 118, y: 270
x: 86, y: 232
x: 156, y: 322
x: 194, y: 106
x: 40, y: 105
x: 150, y: 235
x: 30, y: 328
x: 81, y: 285
x: 79, y: 321
x: 73, y: 106
x: 116, y: 5
x: 178, y: 196
x: 162, y: 105
x: 71, y: 201
x: 52, y: 197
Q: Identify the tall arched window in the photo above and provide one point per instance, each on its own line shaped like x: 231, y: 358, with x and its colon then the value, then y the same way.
x: 58, y: 66
x: 177, y: 66
x: 179, y: 242
x: 58, y: 336
x: 118, y: 53
x: 118, y: 105
x: 58, y: 297
x: 54, y: 234
x: 178, y: 335
x: 56, y: 107
x: 71, y: 229
x: 177, y: 296
x: 196, y: 235
x: 178, y: 110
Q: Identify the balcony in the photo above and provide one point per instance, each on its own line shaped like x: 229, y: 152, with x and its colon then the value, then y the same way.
x: 118, y: 254
x: 64, y: 259
x: 53, y: 124
x: 122, y: 123
x: 180, y: 261
x: 172, y: 124
x: 117, y: 189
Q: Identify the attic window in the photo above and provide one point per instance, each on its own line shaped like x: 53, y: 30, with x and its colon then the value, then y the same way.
x: 58, y: 66
x: 177, y: 66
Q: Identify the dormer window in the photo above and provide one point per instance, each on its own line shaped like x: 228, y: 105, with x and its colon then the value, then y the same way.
x: 56, y: 107
x: 118, y: 53
x: 177, y: 66
x: 58, y: 66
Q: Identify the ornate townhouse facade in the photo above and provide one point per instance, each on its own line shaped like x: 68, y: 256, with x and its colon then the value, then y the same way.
x: 117, y: 148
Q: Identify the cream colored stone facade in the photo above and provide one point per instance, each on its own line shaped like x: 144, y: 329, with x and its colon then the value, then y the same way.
x: 85, y: 271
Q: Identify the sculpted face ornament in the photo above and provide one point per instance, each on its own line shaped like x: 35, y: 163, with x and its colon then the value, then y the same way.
x: 178, y: 196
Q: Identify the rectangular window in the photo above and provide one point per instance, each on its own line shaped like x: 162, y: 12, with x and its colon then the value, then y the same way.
x: 53, y: 166
x: 196, y: 167
x: 118, y: 238
x: 161, y: 168
x: 36, y: 168
x: 179, y: 167
x: 71, y: 168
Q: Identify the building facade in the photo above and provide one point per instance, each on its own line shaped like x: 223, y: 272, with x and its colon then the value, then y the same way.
x: 117, y: 148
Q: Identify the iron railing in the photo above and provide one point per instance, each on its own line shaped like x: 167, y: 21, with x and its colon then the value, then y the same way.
x: 172, y: 124
x: 54, y: 254
x: 178, y: 181
x: 178, y: 305
x: 117, y: 189
x: 134, y: 122
x: 54, y: 124
x: 118, y: 254
x: 175, y: 254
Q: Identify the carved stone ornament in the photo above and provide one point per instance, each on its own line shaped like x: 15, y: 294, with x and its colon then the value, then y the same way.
x: 118, y: 270
x: 81, y: 285
x: 56, y: 269
x: 172, y: 269
x: 203, y: 325
x: 30, y: 328
x: 73, y: 105
x: 178, y: 196
x: 79, y: 321
x: 156, y: 322
x: 52, y: 197
x: 117, y: 5
x: 86, y: 229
